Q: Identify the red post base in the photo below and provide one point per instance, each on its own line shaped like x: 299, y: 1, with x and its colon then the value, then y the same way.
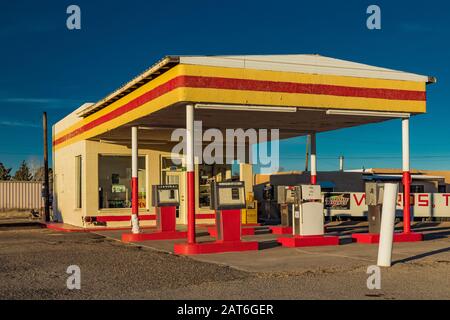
x: 280, y: 230
x: 398, y: 237
x: 165, y: 228
x: 163, y: 235
x: 308, y: 241
x: 244, y: 231
x: 214, y: 247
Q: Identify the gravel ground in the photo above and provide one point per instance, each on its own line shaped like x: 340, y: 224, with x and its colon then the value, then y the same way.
x: 33, y: 265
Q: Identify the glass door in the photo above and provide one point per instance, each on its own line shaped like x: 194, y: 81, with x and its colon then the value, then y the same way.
x: 178, y: 178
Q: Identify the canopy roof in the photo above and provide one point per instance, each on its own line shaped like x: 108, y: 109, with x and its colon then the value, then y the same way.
x: 311, y: 84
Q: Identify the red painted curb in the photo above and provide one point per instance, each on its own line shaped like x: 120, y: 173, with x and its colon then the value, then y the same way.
x: 248, y: 231
x: 372, y: 238
x: 214, y: 247
x: 308, y: 241
x: 280, y: 230
x: 164, y: 235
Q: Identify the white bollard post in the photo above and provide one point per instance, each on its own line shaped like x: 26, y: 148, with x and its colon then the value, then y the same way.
x: 387, y: 224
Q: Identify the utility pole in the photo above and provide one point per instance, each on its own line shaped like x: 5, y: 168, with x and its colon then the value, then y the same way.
x: 341, y: 163
x: 46, y: 183
x: 308, y: 142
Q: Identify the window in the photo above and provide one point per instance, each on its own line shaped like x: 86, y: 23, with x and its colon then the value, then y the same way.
x: 79, y: 179
x: 442, y: 188
x: 114, y: 182
x: 417, y: 189
x: 208, y: 173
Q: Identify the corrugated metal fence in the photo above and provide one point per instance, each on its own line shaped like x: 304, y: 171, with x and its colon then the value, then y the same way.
x: 20, y: 195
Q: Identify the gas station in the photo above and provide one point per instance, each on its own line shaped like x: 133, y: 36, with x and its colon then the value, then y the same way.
x: 113, y: 159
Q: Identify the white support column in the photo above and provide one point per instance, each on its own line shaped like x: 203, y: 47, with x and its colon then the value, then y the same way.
x: 341, y: 163
x: 190, y: 172
x: 134, y: 181
x: 405, y: 145
x: 313, y: 159
x: 406, y: 177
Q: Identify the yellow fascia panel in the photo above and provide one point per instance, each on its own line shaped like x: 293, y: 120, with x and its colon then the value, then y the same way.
x: 170, y: 74
x: 226, y: 96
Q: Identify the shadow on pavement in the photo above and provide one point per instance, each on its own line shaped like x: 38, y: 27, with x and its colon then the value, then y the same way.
x: 422, y: 255
x: 268, y: 244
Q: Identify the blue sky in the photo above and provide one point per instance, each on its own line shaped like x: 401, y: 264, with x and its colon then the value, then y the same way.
x: 44, y: 66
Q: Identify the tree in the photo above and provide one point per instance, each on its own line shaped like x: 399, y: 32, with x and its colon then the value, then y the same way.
x: 39, y: 174
x: 4, y: 173
x: 23, y: 173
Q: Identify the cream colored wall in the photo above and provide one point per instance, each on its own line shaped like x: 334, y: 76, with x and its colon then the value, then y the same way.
x: 246, y: 175
x: 65, y: 181
x: 64, y: 197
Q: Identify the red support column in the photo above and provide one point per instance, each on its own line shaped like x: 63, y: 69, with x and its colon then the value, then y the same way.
x: 134, y: 181
x: 190, y: 173
x: 191, y: 206
x: 406, y: 202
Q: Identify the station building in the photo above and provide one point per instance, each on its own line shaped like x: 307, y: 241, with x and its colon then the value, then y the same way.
x: 108, y: 154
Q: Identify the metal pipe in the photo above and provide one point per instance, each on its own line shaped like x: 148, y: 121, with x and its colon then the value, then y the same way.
x: 357, y: 113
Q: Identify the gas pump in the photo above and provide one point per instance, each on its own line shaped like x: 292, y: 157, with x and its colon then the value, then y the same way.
x: 374, y: 202
x: 249, y: 218
x: 285, y: 200
x: 227, y: 199
x: 307, y: 218
x: 307, y: 211
x: 165, y: 199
